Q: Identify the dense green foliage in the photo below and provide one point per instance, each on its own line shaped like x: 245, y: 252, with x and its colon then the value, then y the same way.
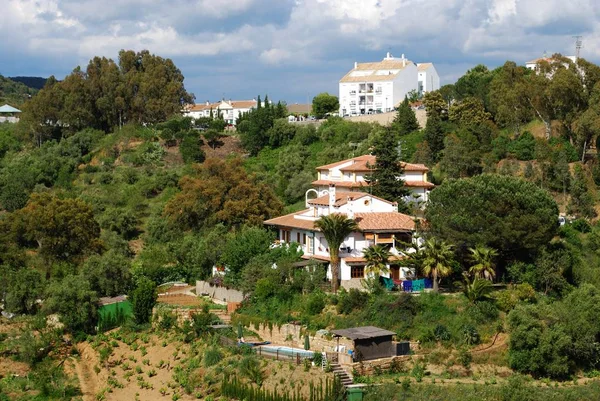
x: 14, y: 93
x: 324, y: 103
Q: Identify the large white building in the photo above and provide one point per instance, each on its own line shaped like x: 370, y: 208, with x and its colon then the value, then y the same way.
x: 380, y: 86
x: 379, y: 222
x: 535, y: 63
x: 428, y: 78
x: 229, y: 109
x: 350, y: 175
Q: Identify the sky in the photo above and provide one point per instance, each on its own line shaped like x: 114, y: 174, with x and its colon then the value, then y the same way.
x: 289, y: 49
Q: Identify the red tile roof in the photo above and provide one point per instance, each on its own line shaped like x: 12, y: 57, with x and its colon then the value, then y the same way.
x: 419, y: 184
x: 373, y: 221
x: 360, y: 164
x: 341, y: 198
x: 358, y: 158
x: 343, y: 184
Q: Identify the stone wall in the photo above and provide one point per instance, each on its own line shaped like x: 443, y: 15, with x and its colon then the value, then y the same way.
x: 292, y: 335
x: 367, y: 368
x: 219, y: 293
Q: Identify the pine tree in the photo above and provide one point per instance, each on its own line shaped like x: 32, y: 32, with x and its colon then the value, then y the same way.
x: 258, y: 103
x: 405, y: 121
x: 434, y: 134
x: 582, y: 202
x: 385, y: 180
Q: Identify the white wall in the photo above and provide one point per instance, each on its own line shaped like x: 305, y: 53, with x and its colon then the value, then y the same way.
x: 406, y: 81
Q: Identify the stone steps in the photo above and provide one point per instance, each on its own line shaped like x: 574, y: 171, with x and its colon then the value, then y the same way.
x: 345, y: 377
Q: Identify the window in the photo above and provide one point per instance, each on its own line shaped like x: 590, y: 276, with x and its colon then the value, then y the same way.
x: 298, y: 237
x: 304, y: 238
x: 309, y: 245
x: 357, y: 271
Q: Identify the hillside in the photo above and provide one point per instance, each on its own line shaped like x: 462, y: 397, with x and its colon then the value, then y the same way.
x: 31, y: 82
x: 14, y: 93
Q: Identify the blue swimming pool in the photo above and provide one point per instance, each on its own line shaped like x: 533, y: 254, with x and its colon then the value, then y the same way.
x: 276, y: 350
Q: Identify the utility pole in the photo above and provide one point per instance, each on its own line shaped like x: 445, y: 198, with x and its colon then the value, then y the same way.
x: 578, y: 45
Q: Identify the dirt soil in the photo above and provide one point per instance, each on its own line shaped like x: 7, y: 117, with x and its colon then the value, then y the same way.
x: 124, y: 362
x: 230, y: 145
x: 180, y: 300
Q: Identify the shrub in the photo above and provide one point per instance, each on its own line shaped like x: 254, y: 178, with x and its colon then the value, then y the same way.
x: 212, y: 356
x: 470, y: 335
x: 315, y: 303
x: 351, y: 300
x: 441, y: 333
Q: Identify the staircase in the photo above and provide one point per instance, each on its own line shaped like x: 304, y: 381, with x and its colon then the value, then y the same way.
x: 345, y: 377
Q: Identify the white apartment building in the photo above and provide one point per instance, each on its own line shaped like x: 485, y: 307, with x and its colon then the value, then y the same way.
x: 428, y: 78
x: 379, y: 222
x: 229, y: 109
x: 350, y: 175
x: 377, y: 87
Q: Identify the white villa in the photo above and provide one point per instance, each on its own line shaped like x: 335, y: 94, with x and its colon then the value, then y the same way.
x: 428, y: 78
x: 229, y: 109
x: 380, y: 86
x: 350, y: 175
x: 379, y: 222
x: 535, y: 63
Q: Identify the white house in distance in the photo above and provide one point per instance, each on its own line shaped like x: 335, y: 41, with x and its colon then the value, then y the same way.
x: 379, y: 222
x: 9, y: 114
x: 428, y: 78
x: 534, y: 64
x: 229, y: 109
x: 350, y: 175
x: 377, y: 87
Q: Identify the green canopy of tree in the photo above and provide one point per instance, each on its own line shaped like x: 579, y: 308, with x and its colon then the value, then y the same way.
x: 108, y: 274
x: 75, y: 303
x: 143, y: 298
x: 385, y: 179
x: 405, y: 121
x: 141, y: 88
x: 221, y: 192
x: 325, y: 103
x: 255, y: 126
x: 506, y: 213
x: 63, y: 229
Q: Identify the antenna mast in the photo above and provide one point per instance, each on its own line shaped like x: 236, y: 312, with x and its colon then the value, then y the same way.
x: 578, y: 45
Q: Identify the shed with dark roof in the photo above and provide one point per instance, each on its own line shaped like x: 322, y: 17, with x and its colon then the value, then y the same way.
x: 369, y: 342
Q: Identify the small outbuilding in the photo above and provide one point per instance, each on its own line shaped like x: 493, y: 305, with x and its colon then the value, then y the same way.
x: 9, y: 114
x: 369, y: 342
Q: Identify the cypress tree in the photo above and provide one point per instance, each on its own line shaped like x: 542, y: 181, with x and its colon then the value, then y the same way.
x: 434, y: 134
x: 385, y: 180
x: 405, y: 121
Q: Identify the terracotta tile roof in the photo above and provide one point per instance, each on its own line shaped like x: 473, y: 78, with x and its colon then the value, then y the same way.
x: 360, y: 164
x: 236, y: 104
x: 423, y: 66
x: 318, y: 257
x: 341, y: 198
x: 243, y: 104
x: 290, y: 221
x: 418, y: 184
x: 356, y: 159
x: 384, y: 221
x: 385, y: 70
x: 373, y: 221
x: 299, y: 108
x: 361, y: 259
x: 343, y: 184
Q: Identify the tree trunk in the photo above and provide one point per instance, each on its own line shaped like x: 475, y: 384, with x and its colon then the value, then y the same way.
x: 583, y: 153
x: 436, y: 287
x: 335, y: 273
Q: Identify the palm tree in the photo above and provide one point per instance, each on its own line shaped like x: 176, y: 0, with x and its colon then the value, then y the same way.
x: 377, y: 258
x: 483, y: 257
x: 437, y: 257
x: 335, y: 227
x: 476, y: 290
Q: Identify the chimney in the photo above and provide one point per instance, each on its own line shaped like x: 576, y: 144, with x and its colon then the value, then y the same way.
x: 356, y: 64
x: 207, y: 103
x: 403, y: 61
x: 350, y: 208
x: 331, y: 197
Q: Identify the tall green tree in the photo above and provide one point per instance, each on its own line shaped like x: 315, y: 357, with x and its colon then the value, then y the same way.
x: 405, y: 121
x: 143, y: 298
x: 469, y: 111
x: 64, y: 229
x: 377, y: 258
x: 582, y: 201
x: 75, y: 303
x: 335, y: 227
x: 507, y: 97
x: 506, y: 213
x: 385, y: 179
x: 434, y: 134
